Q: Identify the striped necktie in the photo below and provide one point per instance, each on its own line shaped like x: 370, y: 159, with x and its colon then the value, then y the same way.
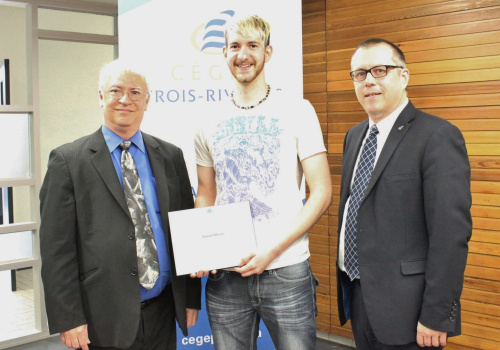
x: 363, y: 175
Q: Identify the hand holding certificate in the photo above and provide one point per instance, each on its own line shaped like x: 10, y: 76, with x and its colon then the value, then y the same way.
x: 211, y: 238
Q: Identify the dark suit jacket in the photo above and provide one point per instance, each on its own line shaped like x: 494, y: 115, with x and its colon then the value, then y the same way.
x: 87, y: 240
x: 413, y: 227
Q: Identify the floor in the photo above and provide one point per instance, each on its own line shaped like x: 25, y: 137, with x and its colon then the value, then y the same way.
x: 18, y: 315
x: 46, y: 344
x: 329, y: 345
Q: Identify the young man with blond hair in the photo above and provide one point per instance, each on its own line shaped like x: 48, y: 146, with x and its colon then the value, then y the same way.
x: 257, y: 149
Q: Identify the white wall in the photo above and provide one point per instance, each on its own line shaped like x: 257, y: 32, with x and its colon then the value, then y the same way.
x: 69, y: 99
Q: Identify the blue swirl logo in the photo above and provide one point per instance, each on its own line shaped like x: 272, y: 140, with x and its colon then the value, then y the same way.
x: 209, y: 38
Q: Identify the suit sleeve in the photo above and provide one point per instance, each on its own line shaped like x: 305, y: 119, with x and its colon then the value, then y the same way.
x: 447, y: 198
x: 193, y: 285
x: 58, y: 247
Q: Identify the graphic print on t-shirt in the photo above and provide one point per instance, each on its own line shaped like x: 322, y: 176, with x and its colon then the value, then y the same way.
x: 246, y: 157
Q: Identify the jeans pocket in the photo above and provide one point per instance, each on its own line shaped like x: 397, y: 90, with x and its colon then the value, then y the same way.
x: 293, y: 273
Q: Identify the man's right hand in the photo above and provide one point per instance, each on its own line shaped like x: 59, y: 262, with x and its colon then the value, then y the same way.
x: 76, y: 338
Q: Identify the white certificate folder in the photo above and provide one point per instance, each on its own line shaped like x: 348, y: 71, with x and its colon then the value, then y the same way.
x: 211, y: 238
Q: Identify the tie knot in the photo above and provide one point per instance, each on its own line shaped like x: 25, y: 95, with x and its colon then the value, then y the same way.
x: 125, y: 145
x: 373, y: 130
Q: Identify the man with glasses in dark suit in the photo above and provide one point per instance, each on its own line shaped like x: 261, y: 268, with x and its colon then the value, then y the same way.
x: 404, y: 213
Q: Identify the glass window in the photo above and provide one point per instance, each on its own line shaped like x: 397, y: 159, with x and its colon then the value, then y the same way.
x: 17, y: 245
x: 69, y: 107
x: 67, y: 21
x: 15, y: 205
x: 15, y: 146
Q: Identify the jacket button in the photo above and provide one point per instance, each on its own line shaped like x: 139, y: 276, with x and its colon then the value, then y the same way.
x: 133, y: 271
x: 131, y: 236
x: 454, y: 308
x: 452, y: 314
x: 452, y: 319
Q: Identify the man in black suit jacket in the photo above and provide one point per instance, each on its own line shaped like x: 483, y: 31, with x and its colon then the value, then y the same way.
x: 87, y: 236
x: 413, y: 222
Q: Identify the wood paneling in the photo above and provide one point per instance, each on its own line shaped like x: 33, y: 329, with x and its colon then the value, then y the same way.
x: 452, y: 50
x: 315, y: 82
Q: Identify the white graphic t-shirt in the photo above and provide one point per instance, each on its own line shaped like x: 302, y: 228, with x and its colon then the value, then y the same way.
x: 256, y: 155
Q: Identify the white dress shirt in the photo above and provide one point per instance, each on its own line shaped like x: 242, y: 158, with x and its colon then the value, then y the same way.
x: 384, y: 128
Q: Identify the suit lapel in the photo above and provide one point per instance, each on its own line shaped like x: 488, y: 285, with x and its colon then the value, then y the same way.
x: 156, y: 159
x: 398, y: 132
x: 104, y: 166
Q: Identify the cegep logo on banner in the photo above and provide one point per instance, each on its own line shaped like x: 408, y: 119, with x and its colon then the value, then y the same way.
x: 208, y: 38
x: 201, y: 340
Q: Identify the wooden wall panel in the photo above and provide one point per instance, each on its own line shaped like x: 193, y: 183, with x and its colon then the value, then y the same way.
x: 453, y: 54
x: 314, y: 63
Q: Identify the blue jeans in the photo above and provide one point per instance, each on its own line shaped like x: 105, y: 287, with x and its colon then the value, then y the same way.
x: 284, y: 298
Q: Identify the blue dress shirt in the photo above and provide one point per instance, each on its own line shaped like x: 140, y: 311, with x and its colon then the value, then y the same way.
x: 148, y: 183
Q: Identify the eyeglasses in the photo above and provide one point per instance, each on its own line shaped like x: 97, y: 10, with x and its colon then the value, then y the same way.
x: 376, y: 72
x: 134, y: 95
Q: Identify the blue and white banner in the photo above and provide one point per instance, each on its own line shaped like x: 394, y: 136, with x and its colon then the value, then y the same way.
x: 180, y: 45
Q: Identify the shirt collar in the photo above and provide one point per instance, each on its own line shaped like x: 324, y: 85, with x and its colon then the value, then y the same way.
x: 385, y: 125
x: 113, y: 140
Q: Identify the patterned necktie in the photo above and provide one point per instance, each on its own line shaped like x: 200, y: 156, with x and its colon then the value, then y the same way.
x: 147, y: 256
x: 363, y: 175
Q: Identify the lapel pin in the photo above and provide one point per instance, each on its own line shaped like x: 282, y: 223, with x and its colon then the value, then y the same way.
x: 401, y: 127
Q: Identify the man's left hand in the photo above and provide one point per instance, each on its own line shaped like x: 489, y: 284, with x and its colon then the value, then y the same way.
x: 429, y: 337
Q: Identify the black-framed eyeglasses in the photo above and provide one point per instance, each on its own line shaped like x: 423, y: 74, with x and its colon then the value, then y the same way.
x: 376, y: 72
x: 134, y: 95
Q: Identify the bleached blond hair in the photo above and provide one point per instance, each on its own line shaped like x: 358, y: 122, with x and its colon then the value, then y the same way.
x: 250, y: 26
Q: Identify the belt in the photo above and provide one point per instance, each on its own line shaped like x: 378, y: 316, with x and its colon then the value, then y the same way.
x: 147, y: 302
